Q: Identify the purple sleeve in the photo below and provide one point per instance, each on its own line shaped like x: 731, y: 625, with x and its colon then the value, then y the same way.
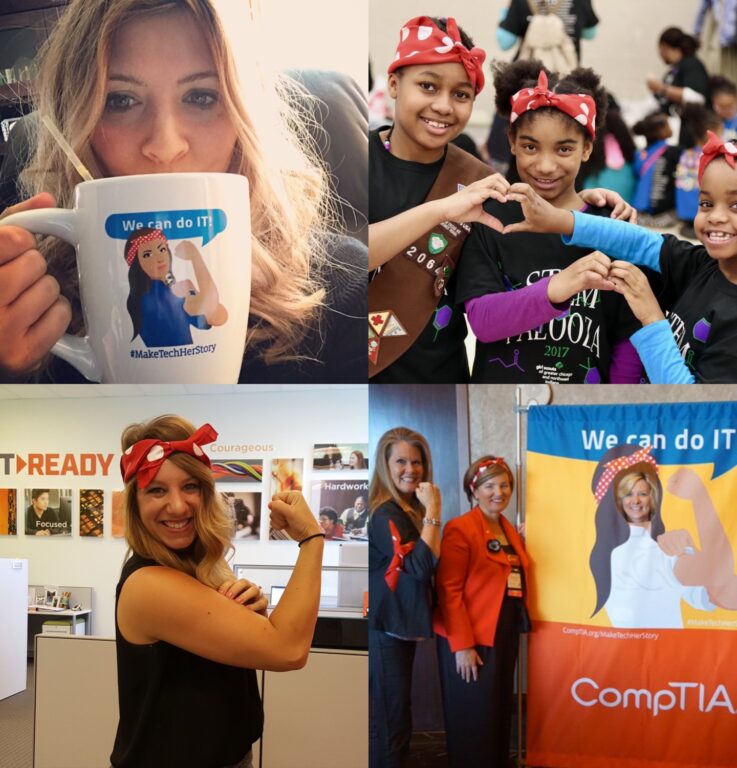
x: 625, y: 366
x: 496, y: 316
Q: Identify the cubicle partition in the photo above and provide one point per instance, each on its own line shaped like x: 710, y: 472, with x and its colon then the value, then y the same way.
x: 76, y: 707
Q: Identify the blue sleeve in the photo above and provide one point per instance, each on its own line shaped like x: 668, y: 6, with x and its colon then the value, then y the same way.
x: 660, y: 356
x: 589, y: 33
x: 505, y: 39
x: 618, y: 239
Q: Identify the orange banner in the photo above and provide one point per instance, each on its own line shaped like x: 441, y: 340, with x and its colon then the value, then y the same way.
x: 631, y: 697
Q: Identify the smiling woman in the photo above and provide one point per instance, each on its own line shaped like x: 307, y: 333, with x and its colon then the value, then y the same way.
x: 143, y: 87
x: 482, y: 589
x: 188, y: 635
x: 404, y: 543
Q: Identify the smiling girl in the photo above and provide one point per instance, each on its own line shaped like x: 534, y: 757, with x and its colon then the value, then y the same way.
x: 143, y: 86
x: 539, y: 312
x: 698, y: 340
x: 423, y: 191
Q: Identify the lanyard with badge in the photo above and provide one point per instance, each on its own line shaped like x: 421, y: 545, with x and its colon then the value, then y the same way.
x: 514, y: 579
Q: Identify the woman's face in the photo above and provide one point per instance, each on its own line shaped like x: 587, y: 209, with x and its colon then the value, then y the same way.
x: 353, y: 461
x: 406, y: 469
x: 636, y: 504
x: 164, y: 110
x: 169, y: 504
x: 154, y: 257
x: 493, y: 495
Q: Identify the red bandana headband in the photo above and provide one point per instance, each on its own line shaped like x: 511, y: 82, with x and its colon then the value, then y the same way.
x: 422, y: 42
x: 484, y: 466
x: 579, y: 106
x: 714, y: 148
x: 130, y: 254
x: 614, y: 467
x: 144, y: 458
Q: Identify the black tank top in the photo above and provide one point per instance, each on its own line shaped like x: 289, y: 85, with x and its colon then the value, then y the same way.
x: 178, y: 709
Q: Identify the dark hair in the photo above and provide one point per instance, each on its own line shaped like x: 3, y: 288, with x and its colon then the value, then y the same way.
x: 329, y: 512
x: 611, y: 527
x: 36, y: 492
x: 616, y: 126
x: 441, y: 22
x: 523, y: 73
x: 675, y: 37
x: 699, y: 120
x: 138, y: 281
x: 651, y: 126
x: 720, y: 84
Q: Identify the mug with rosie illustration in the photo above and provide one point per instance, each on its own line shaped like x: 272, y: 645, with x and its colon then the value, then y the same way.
x: 164, y: 266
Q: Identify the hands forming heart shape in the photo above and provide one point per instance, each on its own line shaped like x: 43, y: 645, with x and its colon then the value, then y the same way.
x: 593, y: 271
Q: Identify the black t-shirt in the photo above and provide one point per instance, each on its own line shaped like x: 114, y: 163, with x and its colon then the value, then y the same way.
x: 689, y: 72
x: 576, y: 15
x: 180, y: 709
x: 439, y: 354
x: 572, y: 349
x: 661, y: 194
x: 51, y: 521
x: 701, y: 307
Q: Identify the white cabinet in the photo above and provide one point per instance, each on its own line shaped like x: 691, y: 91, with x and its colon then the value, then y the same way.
x: 14, y: 634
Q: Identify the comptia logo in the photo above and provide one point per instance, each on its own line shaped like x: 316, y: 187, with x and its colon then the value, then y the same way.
x: 682, y: 696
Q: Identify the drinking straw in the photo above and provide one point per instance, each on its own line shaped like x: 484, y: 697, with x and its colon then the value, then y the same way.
x: 68, y: 151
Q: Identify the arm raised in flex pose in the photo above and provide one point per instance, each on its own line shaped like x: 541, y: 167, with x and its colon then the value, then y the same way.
x: 712, y: 566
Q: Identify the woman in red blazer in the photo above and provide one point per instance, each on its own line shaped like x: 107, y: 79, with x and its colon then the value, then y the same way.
x: 481, y: 582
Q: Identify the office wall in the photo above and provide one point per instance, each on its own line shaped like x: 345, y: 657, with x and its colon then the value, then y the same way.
x: 280, y: 423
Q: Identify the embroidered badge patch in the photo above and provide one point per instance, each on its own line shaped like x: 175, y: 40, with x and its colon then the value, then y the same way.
x: 701, y: 330
x: 436, y: 243
x: 382, y: 324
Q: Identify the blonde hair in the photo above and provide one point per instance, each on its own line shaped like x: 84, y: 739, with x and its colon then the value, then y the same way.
x: 628, y: 481
x: 382, y: 488
x: 290, y: 198
x: 204, y: 560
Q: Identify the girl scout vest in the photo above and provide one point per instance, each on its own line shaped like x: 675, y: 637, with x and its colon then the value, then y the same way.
x: 405, y: 292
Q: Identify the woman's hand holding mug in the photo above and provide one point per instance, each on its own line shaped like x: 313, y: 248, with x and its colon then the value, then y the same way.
x: 33, y: 314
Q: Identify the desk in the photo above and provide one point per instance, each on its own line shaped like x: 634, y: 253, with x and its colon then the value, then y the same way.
x: 81, y: 596
x: 37, y: 617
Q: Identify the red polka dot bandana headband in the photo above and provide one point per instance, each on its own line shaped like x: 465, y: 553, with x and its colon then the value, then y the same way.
x: 579, y: 106
x: 474, y: 484
x: 714, y: 148
x: 144, y: 458
x: 130, y: 254
x: 613, y: 468
x: 421, y: 41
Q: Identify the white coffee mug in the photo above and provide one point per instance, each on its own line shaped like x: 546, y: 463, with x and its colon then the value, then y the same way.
x: 164, y: 266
